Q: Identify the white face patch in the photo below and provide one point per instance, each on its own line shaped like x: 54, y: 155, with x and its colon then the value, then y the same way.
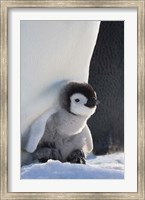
x: 77, y: 105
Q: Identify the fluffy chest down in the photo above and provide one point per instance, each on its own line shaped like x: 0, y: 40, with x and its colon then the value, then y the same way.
x: 62, y: 127
x: 68, y: 124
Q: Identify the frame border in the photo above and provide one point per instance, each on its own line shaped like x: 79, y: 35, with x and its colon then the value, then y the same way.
x: 140, y: 5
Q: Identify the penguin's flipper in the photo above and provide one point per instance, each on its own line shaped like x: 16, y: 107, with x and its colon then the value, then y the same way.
x: 36, y: 130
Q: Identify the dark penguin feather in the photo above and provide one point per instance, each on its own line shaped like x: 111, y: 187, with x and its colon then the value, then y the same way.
x: 73, y: 88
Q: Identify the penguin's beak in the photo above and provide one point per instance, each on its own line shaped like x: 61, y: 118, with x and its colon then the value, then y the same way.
x: 92, y: 102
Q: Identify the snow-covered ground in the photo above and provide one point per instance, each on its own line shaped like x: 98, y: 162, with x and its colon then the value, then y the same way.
x: 97, y: 167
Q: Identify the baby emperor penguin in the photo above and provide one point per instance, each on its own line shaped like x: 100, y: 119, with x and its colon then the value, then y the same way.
x: 67, y: 137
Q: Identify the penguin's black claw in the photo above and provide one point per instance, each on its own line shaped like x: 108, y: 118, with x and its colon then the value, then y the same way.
x: 76, y: 156
x: 44, y: 154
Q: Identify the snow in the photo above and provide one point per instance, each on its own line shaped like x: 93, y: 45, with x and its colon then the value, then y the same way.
x: 97, y: 167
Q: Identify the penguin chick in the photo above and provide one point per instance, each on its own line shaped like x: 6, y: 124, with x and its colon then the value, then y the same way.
x: 62, y: 133
x: 67, y: 137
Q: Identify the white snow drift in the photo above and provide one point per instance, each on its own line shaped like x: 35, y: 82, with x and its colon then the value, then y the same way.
x: 97, y: 167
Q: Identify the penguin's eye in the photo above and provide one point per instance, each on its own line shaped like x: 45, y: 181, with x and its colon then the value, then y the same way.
x: 77, y: 100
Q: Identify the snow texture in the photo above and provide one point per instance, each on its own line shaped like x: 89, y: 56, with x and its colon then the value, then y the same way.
x: 97, y: 167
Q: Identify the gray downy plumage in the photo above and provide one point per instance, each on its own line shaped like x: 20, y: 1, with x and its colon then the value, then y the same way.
x: 67, y: 136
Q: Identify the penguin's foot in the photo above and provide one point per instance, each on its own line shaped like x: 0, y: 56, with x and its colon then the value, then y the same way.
x: 76, y: 156
x: 44, y: 154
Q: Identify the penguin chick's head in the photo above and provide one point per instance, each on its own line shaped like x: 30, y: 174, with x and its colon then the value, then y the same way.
x: 79, y: 99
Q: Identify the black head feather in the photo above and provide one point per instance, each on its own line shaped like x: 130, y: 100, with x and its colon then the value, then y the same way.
x: 73, y: 88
